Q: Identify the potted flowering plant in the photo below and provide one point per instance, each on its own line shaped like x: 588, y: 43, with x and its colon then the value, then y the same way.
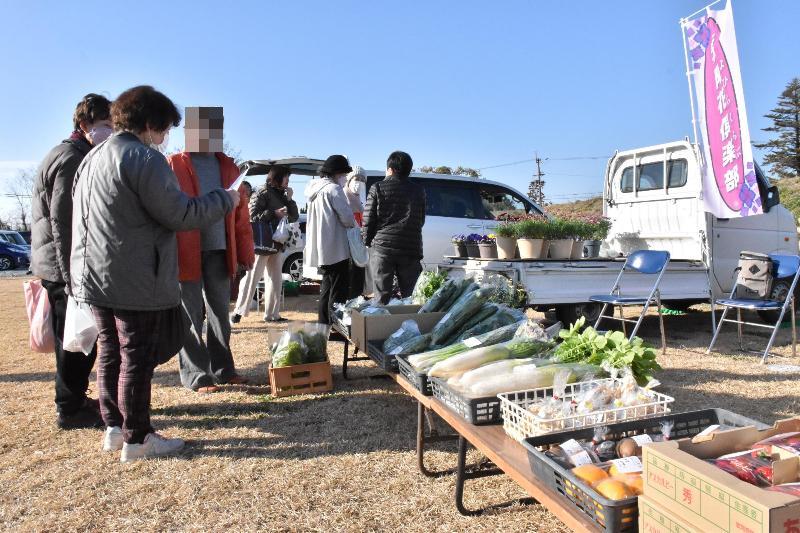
x: 459, y: 245
x: 532, y: 235
x: 600, y: 226
x: 562, y: 233
x: 471, y: 241
x: 487, y: 247
x: 507, y: 240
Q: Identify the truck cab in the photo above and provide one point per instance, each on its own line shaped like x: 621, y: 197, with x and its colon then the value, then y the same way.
x: 654, y: 199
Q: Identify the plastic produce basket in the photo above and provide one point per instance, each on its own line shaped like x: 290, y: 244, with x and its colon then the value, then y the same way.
x: 418, y: 379
x: 617, y: 515
x: 384, y: 361
x: 519, y: 423
x: 477, y: 411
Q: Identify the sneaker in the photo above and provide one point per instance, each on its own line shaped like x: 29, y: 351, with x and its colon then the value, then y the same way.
x: 86, y: 417
x: 236, y: 318
x: 112, y: 439
x: 154, y: 445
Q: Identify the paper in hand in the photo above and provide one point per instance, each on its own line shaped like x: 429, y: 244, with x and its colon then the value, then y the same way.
x: 235, y: 185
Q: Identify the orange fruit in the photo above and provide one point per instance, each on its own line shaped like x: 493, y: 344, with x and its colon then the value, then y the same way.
x: 635, y: 483
x: 591, y: 474
x: 613, y: 489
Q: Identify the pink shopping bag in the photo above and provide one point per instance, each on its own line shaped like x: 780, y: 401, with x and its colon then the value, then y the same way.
x: 37, y: 306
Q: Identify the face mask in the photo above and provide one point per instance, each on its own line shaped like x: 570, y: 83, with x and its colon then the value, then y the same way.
x: 160, y: 147
x: 99, y: 134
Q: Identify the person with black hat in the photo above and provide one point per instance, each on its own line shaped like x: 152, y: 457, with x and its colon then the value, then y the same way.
x: 329, y: 216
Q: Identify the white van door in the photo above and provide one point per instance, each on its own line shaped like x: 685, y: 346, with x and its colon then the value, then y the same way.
x: 451, y: 209
x: 496, y: 200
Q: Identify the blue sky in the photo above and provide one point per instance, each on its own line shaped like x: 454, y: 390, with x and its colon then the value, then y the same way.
x: 452, y: 82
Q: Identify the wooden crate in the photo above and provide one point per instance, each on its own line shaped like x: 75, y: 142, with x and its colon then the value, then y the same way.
x: 300, y: 379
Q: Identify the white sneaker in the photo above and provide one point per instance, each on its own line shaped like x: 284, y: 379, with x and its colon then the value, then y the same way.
x: 112, y: 439
x: 154, y: 446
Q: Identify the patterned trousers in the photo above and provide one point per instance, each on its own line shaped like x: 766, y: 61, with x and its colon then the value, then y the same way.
x: 127, y: 350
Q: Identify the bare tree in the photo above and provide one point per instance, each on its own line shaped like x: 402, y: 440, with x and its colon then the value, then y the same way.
x: 21, y: 190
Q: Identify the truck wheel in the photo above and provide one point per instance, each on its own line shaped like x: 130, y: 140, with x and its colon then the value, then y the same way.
x: 570, y: 313
x: 780, y: 289
x: 5, y: 262
x: 294, y: 266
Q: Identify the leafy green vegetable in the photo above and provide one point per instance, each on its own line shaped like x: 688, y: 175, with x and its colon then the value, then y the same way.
x: 288, y: 355
x: 427, y: 285
x: 613, y: 348
x: 316, y: 344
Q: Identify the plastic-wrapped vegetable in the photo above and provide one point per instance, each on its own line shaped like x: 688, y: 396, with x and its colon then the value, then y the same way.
x: 459, y: 313
x: 463, y: 362
x: 526, y: 377
x: 315, y: 339
x: 408, y: 330
x: 501, y: 318
x: 476, y: 375
x: 465, y: 286
x: 423, y: 361
x: 426, y: 286
x: 289, y: 350
x: 481, y: 315
x: 440, y: 296
x: 412, y: 345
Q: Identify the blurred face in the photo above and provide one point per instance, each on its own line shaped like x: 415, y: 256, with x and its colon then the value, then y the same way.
x: 285, y: 181
x: 97, y: 131
x: 203, y: 129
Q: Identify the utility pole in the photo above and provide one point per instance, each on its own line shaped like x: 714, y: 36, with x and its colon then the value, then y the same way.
x: 536, y: 188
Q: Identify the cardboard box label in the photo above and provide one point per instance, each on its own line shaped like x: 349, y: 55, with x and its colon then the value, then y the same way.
x: 713, y: 502
x: 654, y: 520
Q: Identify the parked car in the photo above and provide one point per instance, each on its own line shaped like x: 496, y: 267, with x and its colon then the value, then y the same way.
x: 14, y: 237
x: 13, y: 256
x: 292, y: 255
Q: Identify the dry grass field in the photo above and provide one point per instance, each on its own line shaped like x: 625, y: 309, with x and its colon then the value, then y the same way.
x: 343, y: 461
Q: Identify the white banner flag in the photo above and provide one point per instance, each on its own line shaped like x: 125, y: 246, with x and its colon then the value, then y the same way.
x: 729, y: 179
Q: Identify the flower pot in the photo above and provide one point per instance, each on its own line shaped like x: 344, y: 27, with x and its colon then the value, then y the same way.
x: 532, y: 248
x: 591, y: 249
x: 506, y: 247
x: 561, y: 248
x: 488, y: 250
x: 472, y: 249
x: 577, y: 250
x: 460, y: 249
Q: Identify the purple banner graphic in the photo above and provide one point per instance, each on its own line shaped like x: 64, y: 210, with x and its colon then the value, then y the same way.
x: 729, y: 181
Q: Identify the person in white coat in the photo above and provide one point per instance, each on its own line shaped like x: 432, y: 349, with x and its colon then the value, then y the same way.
x: 327, y: 248
x: 355, y: 188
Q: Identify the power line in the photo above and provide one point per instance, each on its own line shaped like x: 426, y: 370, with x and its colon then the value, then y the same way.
x: 575, y: 158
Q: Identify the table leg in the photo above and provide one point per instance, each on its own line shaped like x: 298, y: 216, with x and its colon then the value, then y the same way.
x: 422, y: 438
x: 480, y: 470
x: 344, y: 361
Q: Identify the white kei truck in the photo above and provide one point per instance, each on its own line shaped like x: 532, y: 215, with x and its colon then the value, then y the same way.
x: 654, y: 199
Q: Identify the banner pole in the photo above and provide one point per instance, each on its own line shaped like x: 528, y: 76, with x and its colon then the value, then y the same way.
x: 689, y: 78
x: 702, y: 9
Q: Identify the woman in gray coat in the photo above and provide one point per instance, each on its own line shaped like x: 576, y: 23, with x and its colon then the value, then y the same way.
x: 127, y: 208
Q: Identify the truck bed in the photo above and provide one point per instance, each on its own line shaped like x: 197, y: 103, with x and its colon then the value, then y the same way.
x: 559, y: 281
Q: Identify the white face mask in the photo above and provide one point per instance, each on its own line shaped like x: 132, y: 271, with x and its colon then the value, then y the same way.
x: 160, y: 147
x: 99, y: 134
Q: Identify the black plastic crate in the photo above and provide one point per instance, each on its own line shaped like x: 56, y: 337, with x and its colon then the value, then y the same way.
x: 476, y: 411
x: 617, y: 515
x: 340, y: 328
x: 384, y: 361
x: 418, y: 379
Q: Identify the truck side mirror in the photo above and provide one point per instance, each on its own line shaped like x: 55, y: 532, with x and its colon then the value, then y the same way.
x: 772, y: 199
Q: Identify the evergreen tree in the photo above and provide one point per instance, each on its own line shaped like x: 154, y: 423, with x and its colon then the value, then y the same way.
x: 784, y: 151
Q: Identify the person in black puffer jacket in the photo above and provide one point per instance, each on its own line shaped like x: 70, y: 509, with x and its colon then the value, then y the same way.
x: 393, y: 220
x: 51, y: 236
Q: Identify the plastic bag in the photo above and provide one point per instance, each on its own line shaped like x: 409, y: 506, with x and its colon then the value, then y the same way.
x: 315, y: 339
x: 358, y: 252
x: 289, y: 350
x: 755, y: 470
x: 281, y: 233
x: 37, y: 305
x: 80, y: 331
x: 407, y: 331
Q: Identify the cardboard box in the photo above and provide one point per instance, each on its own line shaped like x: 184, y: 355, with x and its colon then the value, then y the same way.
x: 678, y: 478
x: 655, y: 519
x: 365, y: 328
